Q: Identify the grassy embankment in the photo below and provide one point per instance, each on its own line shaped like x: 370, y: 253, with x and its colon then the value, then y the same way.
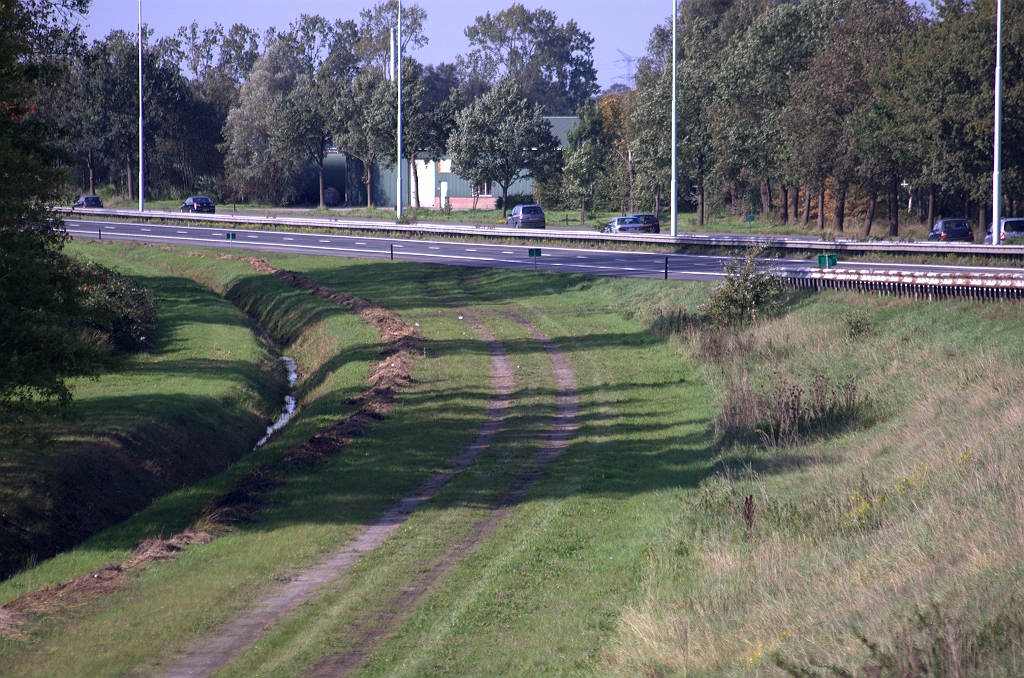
x: 633, y: 556
x: 186, y: 409
x: 171, y: 605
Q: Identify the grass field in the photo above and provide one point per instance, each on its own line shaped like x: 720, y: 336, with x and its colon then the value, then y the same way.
x: 164, y: 418
x: 882, y: 543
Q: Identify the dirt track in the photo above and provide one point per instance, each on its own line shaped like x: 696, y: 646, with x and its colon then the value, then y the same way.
x: 248, y: 627
x: 373, y: 628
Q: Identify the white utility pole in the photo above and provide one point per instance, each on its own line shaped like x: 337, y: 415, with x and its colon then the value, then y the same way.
x: 997, y: 159
x: 675, y: 209
x: 398, y: 79
x: 142, y: 148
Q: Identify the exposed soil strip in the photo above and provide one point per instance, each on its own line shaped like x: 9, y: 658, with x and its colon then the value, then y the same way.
x: 374, y: 628
x: 248, y: 627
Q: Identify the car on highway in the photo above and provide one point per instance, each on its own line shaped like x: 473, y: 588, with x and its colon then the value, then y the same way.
x: 198, y: 203
x: 651, y: 220
x: 951, y: 230
x: 89, y: 201
x: 1013, y: 232
x: 527, y: 216
x: 626, y: 225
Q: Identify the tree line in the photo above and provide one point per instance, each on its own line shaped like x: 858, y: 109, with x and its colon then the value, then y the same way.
x: 843, y: 108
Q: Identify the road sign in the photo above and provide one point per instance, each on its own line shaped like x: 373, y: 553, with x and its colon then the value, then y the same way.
x: 826, y: 260
x: 535, y: 253
x: 229, y: 236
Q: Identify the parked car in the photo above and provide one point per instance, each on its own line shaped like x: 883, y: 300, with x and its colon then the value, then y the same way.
x: 951, y: 230
x: 198, y: 203
x: 527, y: 216
x: 651, y: 220
x: 89, y: 201
x: 1013, y: 232
x: 626, y: 225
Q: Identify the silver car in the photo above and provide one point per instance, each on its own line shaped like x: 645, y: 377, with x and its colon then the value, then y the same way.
x: 1013, y: 232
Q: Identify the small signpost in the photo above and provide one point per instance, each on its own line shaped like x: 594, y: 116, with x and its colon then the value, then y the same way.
x: 535, y: 255
x: 826, y: 260
x: 229, y: 237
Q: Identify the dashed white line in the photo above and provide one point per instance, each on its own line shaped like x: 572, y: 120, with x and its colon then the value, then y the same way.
x: 289, y: 238
x: 435, y: 248
x: 325, y: 241
x: 148, y: 230
x: 360, y: 243
x: 508, y: 252
x: 253, y: 236
x: 580, y: 256
x: 109, y: 228
x: 399, y: 245
x: 184, y: 232
x: 471, y: 250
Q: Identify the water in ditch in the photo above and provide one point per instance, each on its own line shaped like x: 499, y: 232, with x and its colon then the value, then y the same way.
x: 288, y: 409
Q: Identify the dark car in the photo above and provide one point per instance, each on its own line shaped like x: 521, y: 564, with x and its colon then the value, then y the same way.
x: 626, y: 225
x: 89, y: 201
x: 951, y: 230
x: 198, y: 203
x: 651, y: 221
x: 527, y: 216
x: 1013, y: 232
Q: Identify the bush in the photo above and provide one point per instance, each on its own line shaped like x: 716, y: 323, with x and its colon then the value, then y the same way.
x: 120, y: 313
x: 749, y: 292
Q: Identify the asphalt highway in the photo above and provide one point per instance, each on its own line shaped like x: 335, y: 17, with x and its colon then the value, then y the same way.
x: 556, y: 259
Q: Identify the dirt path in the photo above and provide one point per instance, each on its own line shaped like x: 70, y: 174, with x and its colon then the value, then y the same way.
x: 374, y: 628
x: 248, y: 627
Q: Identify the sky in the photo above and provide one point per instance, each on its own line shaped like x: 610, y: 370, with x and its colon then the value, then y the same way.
x: 613, y: 25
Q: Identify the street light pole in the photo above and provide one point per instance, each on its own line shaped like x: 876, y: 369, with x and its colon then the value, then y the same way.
x: 398, y: 80
x: 673, y: 198
x: 997, y: 159
x: 142, y: 148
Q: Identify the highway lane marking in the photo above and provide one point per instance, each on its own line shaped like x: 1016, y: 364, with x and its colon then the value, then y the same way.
x: 325, y: 241
x: 186, y: 232
x: 580, y: 256
x: 399, y: 245
x: 252, y: 236
x: 435, y: 248
x: 515, y: 263
x: 358, y: 243
x: 508, y: 252
x: 148, y: 230
x: 289, y: 238
x: 471, y: 250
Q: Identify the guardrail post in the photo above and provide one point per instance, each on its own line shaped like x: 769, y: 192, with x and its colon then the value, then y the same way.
x: 392, y: 251
x: 99, y: 232
x: 666, y: 268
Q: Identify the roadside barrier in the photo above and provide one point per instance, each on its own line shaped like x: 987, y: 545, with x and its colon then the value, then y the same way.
x: 796, y: 243
x: 922, y: 285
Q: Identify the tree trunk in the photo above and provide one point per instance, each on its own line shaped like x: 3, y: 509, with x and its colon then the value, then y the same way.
x: 131, y: 194
x: 795, y: 197
x: 700, y: 202
x: 504, y: 200
x: 766, y: 196
x: 320, y: 171
x: 982, y: 213
x: 416, y: 182
x: 806, y: 215
x: 821, y: 210
x: 839, y: 215
x: 894, y: 207
x: 869, y: 217
x: 931, y: 206
x: 967, y: 207
x: 92, y: 175
x: 657, y: 201
x: 784, y: 205
x: 583, y: 211
x: 369, y: 185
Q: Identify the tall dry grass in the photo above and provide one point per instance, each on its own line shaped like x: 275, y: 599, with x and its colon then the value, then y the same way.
x: 887, y: 546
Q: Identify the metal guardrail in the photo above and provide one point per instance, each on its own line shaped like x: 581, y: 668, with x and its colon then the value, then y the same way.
x: 923, y: 285
x: 690, y: 239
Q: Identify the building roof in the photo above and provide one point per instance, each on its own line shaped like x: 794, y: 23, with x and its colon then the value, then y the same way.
x: 560, y: 126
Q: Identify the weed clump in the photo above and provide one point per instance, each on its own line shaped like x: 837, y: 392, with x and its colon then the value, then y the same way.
x: 750, y: 292
x: 121, y: 313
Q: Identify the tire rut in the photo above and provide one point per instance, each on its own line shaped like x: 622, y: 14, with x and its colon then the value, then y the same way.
x: 248, y: 627
x: 372, y: 629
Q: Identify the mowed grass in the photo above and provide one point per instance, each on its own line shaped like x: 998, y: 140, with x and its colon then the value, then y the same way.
x: 182, y: 411
x: 170, y: 606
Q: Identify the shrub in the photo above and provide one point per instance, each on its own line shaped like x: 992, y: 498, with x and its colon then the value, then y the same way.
x: 750, y: 292
x: 120, y: 313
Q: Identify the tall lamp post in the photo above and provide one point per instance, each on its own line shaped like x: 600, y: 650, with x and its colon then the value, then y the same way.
x: 142, y: 148
x: 673, y: 198
x: 398, y: 80
x: 997, y: 160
